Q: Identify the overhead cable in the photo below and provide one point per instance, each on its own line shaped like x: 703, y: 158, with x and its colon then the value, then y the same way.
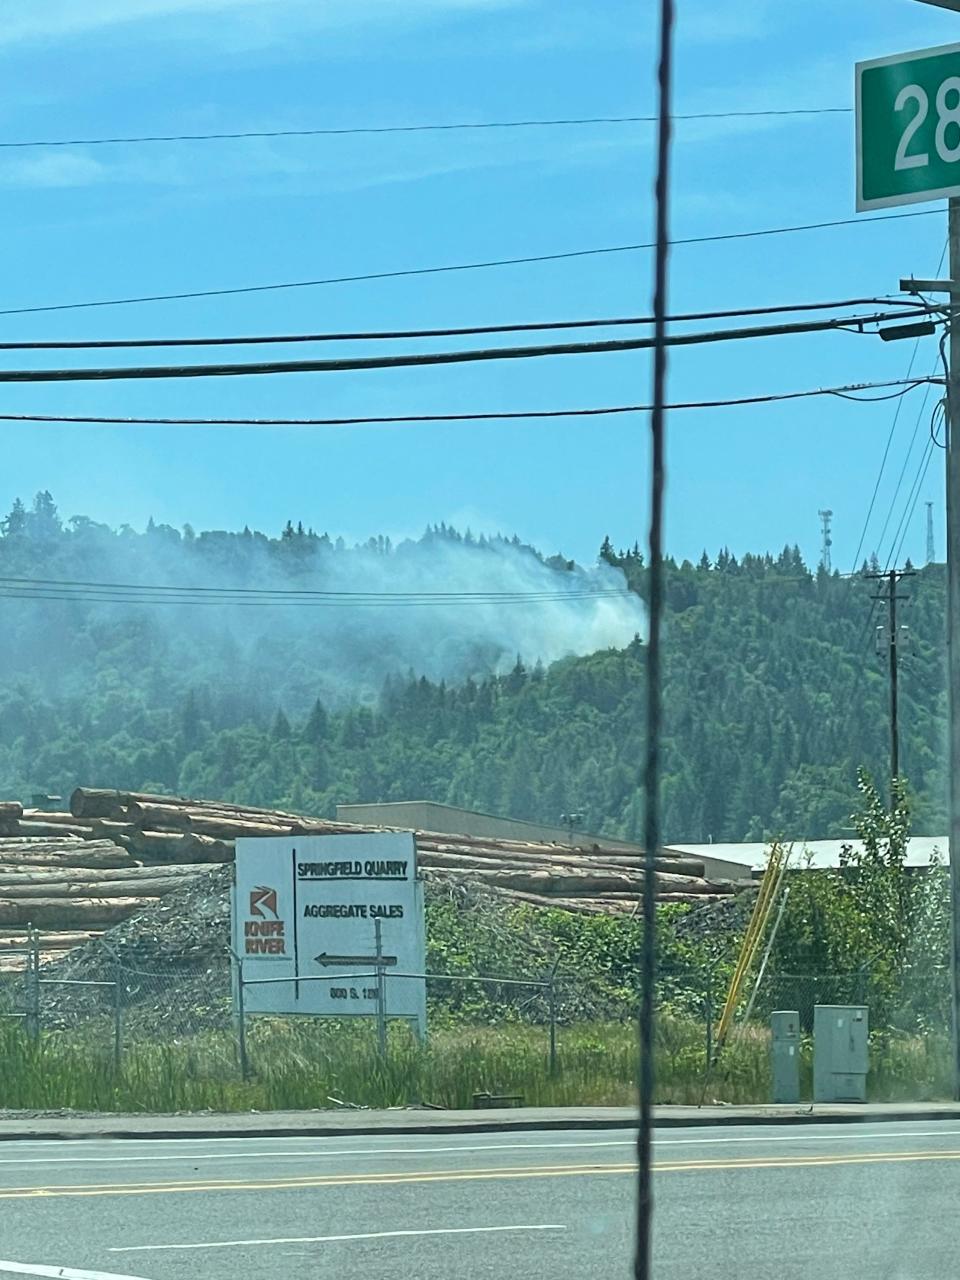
x: 848, y: 392
x: 456, y: 126
x: 578, y: 587
x: 890, y: 435
x: 854, y: 323
x: 146, y: 597
x: 899, y: 538
x: 384, y: 335
x: 483, y: 265
x: 901, y: 476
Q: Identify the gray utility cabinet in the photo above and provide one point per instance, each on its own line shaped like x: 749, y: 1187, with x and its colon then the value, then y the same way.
x: 840, y: 1053
x: 785, y: 1052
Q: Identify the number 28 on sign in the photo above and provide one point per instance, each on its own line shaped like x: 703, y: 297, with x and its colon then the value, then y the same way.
x: 908, y: 128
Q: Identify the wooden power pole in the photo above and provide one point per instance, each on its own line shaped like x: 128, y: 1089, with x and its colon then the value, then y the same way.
x: 892, y: 577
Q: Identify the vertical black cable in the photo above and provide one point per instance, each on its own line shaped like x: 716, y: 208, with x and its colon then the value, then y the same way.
x: 642, y: 1261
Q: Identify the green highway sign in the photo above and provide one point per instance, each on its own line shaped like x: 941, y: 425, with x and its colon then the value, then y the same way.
x: 908, y: 128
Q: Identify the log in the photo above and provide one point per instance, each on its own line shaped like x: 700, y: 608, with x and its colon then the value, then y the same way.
x: 10, y: 809
x: 578, y: 906
x: 570, y: 884
x: 94, y: 802
x: 52, y: 819
x: 225, y: 808
x: 185, y: 848
x: 156, y: 846
x: 19, y: 874
x: 78, y: 890
x: 551, y: 861
x: 233, y: 828
x: 27, y: 828
x: 156, y: 817
x: 552, y: 884
x: 108, y: 829
x: 10, y: 941
x: 38, y: 842
x: 470, y: 862
x: 86, y: 802
x: 699, y: 899
x: 112, y: 857
x: 593, y: 849
x: 66, y: 913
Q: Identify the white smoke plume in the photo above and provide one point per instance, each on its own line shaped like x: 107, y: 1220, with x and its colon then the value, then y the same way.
x: 61, y: 636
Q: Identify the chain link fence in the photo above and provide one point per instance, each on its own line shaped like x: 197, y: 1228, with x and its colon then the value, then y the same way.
x: 118, y: 1007
x: 95, y: 998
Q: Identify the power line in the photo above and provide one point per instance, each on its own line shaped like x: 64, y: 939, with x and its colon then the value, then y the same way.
x: 456, y: 126
x: 455, y: 267
x: 847, y: 392
x: 384, y: 335
x: 903, y: 471
x: 913, y: 496
x: 896, y: 545
x: 856, y: 323
x: 147, y: 597
x: 893, y: 428
x: 81, y: 585
x: 923, y: 475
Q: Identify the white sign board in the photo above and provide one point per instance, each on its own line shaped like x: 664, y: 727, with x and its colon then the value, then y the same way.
x: 305, y: 911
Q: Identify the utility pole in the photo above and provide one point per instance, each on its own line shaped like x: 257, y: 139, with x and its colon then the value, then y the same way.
x: 892, y: 577
x: 953, y: 618
x: 930, y: 547
x: 934, y: 190
x: 826, y: 540
x: 952, y: 288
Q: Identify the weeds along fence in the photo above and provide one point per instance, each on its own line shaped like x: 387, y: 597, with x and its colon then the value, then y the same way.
x: 117, y: 1006
x: 96, y: 1031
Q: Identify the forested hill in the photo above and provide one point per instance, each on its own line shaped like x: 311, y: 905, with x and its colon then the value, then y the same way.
x: 774, y: 692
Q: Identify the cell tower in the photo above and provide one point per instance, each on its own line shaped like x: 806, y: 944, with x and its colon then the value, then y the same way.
x: 827, y: 541
x: 930, y: 549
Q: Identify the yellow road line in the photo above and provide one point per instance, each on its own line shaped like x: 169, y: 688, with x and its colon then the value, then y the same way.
x: 331, y: 1180
x: 471, y: 1175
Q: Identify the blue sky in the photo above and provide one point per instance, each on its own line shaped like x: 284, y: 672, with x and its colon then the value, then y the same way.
x: 94, y: 222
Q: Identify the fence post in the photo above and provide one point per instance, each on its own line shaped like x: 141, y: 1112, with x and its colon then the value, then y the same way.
x: 33, y: 984
x: 117, y: 1018
x: 552, y: 1002
x: 381, y: 994
x: 708, y: 1015
x: 241, y: 1023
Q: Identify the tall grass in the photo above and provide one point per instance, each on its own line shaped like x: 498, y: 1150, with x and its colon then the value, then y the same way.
x: 305, y: 1064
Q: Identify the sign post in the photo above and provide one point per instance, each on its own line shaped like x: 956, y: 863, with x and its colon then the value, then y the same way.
x: 908, y: 150
x: 908, y: 128
x: 338, y: 919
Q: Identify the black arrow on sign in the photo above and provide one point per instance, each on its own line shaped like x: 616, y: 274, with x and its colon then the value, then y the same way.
x: 371, y: 962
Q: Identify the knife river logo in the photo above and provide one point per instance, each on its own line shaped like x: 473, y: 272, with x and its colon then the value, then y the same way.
x: 264, y: 932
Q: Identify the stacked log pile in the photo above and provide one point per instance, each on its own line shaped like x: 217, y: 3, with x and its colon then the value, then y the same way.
x: 72, y: 875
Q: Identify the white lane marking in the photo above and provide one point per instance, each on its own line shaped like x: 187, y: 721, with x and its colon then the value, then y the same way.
x: 59, y: 1273
x: 364, y: 1235
x: 256, y: 1153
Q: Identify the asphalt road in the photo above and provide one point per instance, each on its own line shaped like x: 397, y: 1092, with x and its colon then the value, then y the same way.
x: 858, y: 1201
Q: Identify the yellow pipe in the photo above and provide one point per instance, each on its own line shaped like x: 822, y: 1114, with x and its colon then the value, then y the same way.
x: 769, y: 885
x: 769, y: 890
